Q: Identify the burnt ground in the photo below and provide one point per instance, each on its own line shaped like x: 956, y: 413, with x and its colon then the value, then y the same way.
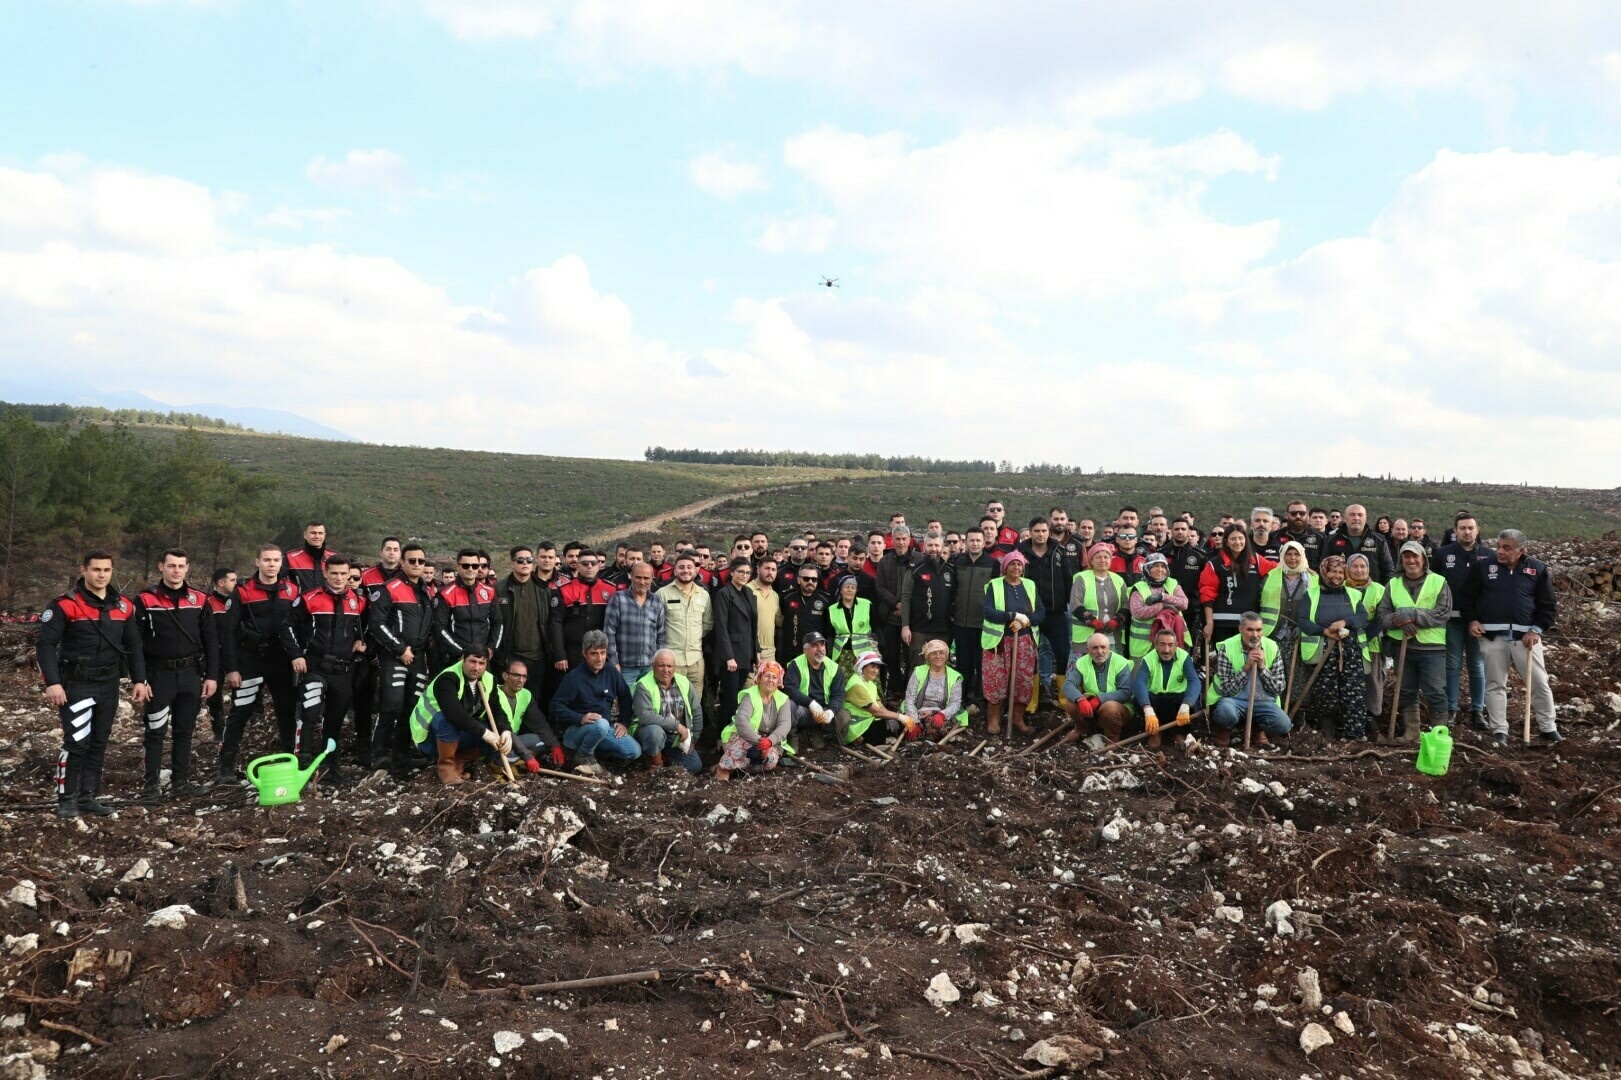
x: 1458, y: 926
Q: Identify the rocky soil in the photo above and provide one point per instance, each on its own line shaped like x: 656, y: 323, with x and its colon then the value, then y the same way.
x: 1316, y: 910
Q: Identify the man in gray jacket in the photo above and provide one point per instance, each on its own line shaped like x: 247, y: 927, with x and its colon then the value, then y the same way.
x: 1415, y: 609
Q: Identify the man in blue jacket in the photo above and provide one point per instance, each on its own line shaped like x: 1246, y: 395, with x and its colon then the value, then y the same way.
x: 582, y: 708
x: 1509, y: 605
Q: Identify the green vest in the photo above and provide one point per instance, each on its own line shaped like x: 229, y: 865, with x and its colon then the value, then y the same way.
x: 1372, y: 593
x: 1310, y: 643
x: 830, y: 671
x: 427, y: 706
x: 1401, y: 598
x: 1272, y: 597
x: 1138, y: 644
x: 1177, y: 683
x: 1089, y: 674
x: 519, y: 706
x: 683, y: 686
x: 854, y: 634
x: 920, y: 676
x: 990, y: 634
x: 779, y: 699
x: 1234, y: 648
x: 860, y: 718
x: 1080, y: 631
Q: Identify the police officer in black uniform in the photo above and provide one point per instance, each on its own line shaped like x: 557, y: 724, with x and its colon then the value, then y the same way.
x: 325, y: 636
x: 466, y: 614
x: 182, y: 669
x: 399, y: 621
x: 87, y: 637
x: 254, y: 660
x: 221, y: 588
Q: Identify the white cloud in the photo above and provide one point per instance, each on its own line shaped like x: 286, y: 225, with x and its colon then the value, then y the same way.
x: 361, y: 170
x: 299, y: 218
x: 487, y: 20
x: 724, y: 176
x: 806, y: 235
x: 1610, y: 65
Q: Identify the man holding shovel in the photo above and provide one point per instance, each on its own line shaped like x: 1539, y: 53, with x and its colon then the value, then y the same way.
x: 1248, y: 679
x: 1415, y: 609
x: 448, y: 723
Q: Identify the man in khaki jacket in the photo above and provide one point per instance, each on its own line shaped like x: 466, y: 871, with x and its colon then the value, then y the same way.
x: 688, y: 618
x: 767, y: 606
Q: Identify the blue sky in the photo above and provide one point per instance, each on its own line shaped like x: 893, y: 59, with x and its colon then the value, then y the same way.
x: 1397, y: 234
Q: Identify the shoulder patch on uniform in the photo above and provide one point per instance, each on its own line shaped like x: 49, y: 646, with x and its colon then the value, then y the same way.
x: 45, y: 616
x: 376, y: 595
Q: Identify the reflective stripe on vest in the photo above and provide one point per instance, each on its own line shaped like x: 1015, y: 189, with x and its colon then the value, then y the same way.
x: 1138, y: 644
x: 427, y: 706
x: 683, y: 686
x: 858, y: 637
x: 991, y: 634
x: 1234, y: 648
x: 1400, y: 598
x: 1079, y: 631
x: 1089, y: 674
x: 1178, y: 683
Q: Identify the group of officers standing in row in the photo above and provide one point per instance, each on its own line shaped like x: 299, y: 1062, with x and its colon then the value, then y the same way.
x: 625, y: 655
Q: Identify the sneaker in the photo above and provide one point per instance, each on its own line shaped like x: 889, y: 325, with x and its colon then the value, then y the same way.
x: 589, y: 766
x: 151, y: 795
x: 1551, y: 737
x: 89, y: 805
x: 67, y: 808
x: 189, y: 788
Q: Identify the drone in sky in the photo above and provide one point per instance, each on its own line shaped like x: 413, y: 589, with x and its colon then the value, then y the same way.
x: 829, y: 282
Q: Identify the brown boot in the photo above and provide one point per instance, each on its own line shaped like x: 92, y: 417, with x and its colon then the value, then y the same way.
x: 1222, y: 736
x: 467, y: 758
x: 721, y: 774
x: 655, y: 762
x: 450, y: 772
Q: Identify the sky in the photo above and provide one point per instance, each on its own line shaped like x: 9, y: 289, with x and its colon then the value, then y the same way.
x: 1249, y: 238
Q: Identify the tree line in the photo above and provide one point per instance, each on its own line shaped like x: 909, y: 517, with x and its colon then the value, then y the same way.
x: 95, y: 414
x: 66, y: 489
x: 910, y: 463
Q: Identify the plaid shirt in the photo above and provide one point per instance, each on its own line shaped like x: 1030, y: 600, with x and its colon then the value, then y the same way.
x: 635, y: 631
x: 1235, y: 683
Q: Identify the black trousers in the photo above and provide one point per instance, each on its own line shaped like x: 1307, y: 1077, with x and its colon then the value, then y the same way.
x: 323, y: 700
x: 87, y: 724
x: 263, y: 672
x: 365, y: 704
x: 176, y: 697
x: 398, y: 687
x: 968, y: 660
x: 894, y: 671
x: 216, y: 711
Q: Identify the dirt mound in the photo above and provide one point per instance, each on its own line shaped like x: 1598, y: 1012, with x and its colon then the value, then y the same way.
x: 1136, y: 917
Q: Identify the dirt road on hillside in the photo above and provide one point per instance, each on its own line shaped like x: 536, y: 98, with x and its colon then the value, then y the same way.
x: 654, y: 523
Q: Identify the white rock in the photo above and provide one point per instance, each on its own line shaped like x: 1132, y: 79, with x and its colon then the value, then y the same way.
x: 986, y: 1000
x: 1229, y: 914
x: 741, y: 815
x: 610, y: 1024
x: 387, y: 849
x: 548, y: 1035
x: 1233, y: 829
x: 457, y: 862
x: 1277, y: 789
x: 507, y: 1041
x: 970, y: 933
x: 172, y: 917
x: 334, y: 1044
x: 1082, y: 970
x: 554, y: 826
x: 448, y: 1024
x: 1111, y: 831
x: 1250, y: 787
x: 1278, y: 911
x: 1343, y: 1022
x: 717, y: 815
x: 941, y: 991
x: 63, y: 929
x: 1313, y: 1037
x: 1311, y: 988
x: 1063, y: 1052
x: 1266, y: 991
x: 1284, y: 928
x: 22, y: 945
x: 139, y: 872
x: 24, y: 893
x: 14, y: 1022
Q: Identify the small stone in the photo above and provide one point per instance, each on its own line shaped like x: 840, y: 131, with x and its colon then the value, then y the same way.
x: 1063, y: 1052
x: 1277, y: 789
x: 172, y: 917
x: 610, y: 1024
x: 1233, y: 829
x: 774, y: 1046
x: 334, y: 1044
x: 1250, y: 787
x: 387, y: 849
x: 458, y: 862
x: 1343, y: 1022
x: 1229, y: 914
x: 941, y: 991
x: 970, y: 933
x: 139, y: 872
x: 1311, y: 989
x: 22, y: 945
x: 1110, y: 832
x: 1313, y: 1037
x: 448, y: 1024
x: 1278, y: 911
x: 986, y: 1000
x: 24, y: 893
x: 1523, y: 1067
x: 62, y: 929
x: 1082, y: 970
x: 1481, y: 994
x: 1266, y: 991
x: 548, y: 1035
x: 507, y: 1041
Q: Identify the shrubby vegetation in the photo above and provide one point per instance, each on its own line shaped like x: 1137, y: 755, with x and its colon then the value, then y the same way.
x: 873, y: 462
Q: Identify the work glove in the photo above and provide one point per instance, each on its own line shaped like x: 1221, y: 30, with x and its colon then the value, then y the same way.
x: 1114, y: 624
x: 1085, y: 708
x: 913, y: 730
x: 1183, y: 715
x: 493, y: 739
x: 1150, y: 722
x: 892, y: 726
x: 764, y: 745
x: 506, y: 742
x: 531, y: 765
x: 557, y: 756
x: 1098, y: 624
x: 937, y: 721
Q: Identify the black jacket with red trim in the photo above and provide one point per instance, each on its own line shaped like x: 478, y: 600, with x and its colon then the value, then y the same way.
x: 377, y: 575
x: 306, y: 566
x: 577, y: 606
x: 325, y: 624
x: 78, y: 628
x: 466, y: 617
x: 399, y: 615
x: 176, y: 624
x: 258, y: 615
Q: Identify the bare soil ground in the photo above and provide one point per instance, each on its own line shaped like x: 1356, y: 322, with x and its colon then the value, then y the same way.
x: 1460, y: 926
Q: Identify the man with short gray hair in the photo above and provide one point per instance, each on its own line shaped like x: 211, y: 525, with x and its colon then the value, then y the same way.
x: 1509, y: 604
x: 897, y: 563
x: 1248, y: 664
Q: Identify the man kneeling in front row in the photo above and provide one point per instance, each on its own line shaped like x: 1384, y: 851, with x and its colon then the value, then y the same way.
x: 449, y: 724
x: 1246, y: 665
x: 583, y: 708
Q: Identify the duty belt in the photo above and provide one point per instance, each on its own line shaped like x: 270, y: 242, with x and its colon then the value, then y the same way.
x: 172, y: 665
x: 334, y: 663
x: 87, y: 673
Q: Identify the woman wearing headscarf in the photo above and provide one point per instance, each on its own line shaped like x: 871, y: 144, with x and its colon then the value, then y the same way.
x: 850, y: 619
x: 1008, y: 659
x: 1286, y: 591
x: 1154, y: 595
x: 933, y: 693
x: 1230, y: 585
x: 758, y: 733
x: 1097, y: 599
x: 1331, y: 638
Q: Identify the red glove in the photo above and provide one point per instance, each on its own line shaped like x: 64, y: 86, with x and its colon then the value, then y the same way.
x: 557, y: 755
x: 937, y: 721
x: 765, y: 745
x: 1096, y: 703
x: 1114, y: 624
x: 1085, y: 708
x: 1098, y: 624
x: 532, y: 765
x: 913, y: 731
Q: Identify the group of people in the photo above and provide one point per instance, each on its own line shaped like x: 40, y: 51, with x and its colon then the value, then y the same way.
x: 684, y: 656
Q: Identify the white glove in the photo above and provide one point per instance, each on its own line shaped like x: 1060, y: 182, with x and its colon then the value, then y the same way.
x: 493, y: 739
x: 506, y: 742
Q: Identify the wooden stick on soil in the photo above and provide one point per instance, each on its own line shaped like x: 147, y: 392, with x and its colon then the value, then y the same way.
x: 650, y: 975
x: 575, y: 776
x: 1395, y: 697
x: 1249, y: 713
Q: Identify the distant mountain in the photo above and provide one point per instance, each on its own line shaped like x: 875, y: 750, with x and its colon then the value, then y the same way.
x: 274, y: 421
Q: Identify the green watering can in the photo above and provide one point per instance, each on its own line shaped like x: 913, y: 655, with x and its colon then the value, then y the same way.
x: 1435, y: 750
x: 278, y: 777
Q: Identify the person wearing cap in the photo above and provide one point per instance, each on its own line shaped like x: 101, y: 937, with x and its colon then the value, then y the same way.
x: 814, y: 686
x: 927, y: 596
x: 1098, y: 691
x: 934, y: 693
x: 863, y: 704
x: 1415, y: 607
x: 1156, y: 596
x: 1009, y: 614
x: 1097, y: 599
x: 758, y: 733
x: 1165, y: 685
x: 850, y: 619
